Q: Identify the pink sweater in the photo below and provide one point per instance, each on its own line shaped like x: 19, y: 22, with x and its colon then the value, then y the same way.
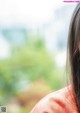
x: 61, y: 101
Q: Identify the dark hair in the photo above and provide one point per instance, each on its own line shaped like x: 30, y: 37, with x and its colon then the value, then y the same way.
x: 74, y: 53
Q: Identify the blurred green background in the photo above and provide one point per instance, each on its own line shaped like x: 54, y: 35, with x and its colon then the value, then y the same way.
x: 33, y: 43
x: 28, y: 74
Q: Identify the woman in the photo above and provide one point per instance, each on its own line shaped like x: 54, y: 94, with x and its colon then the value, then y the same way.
x: 67, y: 100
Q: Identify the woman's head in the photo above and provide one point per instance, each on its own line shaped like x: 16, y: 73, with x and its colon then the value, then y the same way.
x: 74, y: 52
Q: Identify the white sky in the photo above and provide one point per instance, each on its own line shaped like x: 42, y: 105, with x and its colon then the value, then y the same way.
x: 29, y: 12
x: 4, y: 48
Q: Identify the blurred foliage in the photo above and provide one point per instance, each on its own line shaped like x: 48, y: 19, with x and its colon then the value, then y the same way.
x: 36, y: 91
x: 28, y: 98
x: 29, y: 63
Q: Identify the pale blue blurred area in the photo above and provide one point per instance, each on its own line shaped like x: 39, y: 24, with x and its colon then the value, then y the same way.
x: 54, y: 30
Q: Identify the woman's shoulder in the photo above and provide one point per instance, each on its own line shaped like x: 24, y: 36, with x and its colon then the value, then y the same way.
x: 61, y: 101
